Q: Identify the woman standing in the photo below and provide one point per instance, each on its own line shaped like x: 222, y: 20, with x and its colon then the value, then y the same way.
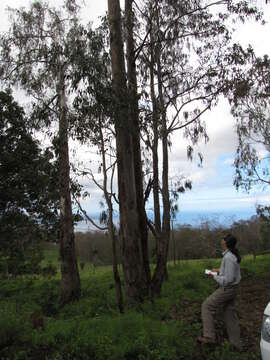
x: 223, y: 298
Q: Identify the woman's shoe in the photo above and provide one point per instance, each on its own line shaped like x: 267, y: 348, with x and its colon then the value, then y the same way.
x: 206, y: 340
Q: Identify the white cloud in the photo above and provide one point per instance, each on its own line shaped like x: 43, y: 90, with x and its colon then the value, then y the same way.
x: 262, y: 153
x: 254, y: 33
x: 229, y: 161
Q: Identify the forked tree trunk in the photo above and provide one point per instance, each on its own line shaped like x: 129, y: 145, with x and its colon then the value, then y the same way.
x: 129, y: 221
x: 70, y: 283
x: 134, y: 114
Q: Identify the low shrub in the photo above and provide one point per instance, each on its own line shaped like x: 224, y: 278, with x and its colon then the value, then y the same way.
x: 48, y: 297
x: 49, y: 270
x: 14, y: 327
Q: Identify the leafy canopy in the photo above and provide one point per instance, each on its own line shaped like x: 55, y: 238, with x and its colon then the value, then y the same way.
x: 28, y: 199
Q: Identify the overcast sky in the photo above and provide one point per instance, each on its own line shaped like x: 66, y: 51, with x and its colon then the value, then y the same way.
x: 213, y: 183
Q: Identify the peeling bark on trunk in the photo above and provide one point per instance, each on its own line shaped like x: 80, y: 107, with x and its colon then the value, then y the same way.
x: 134, y: 114
x: 129, y: 221
x: 70, y: 284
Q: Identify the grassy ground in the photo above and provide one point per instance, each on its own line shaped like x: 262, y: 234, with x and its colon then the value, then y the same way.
x: 93, y: 329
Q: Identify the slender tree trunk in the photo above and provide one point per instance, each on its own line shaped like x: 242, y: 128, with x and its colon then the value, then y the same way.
x: 161, y: 272
x: 112, y: 234
x: 174, y: 244
x: 155, y: 118
x: 166, y: 230
x: 129, y: 221
x: 155, y: 121
x: 134, y: 113
x: 70, y: 285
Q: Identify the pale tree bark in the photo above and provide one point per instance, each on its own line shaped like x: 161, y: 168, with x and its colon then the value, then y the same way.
x: 129, y: 221
x: 134, y: 114
x: 70, y: 283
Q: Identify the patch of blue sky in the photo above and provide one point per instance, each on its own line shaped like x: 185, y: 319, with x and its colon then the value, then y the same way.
x: 217, y: 193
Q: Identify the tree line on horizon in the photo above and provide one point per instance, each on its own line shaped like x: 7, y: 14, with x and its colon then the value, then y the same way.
x: 187, y: 242
x: 124, y: 87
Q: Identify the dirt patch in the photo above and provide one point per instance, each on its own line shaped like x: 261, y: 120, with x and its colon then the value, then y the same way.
x: 254, y: 295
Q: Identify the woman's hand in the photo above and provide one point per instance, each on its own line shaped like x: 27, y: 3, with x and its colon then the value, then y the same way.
x: 215, y: 270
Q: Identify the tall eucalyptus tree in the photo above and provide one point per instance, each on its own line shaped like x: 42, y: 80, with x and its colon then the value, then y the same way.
x: 130, y: 234
x: 168, y: 35
x: 136, y: 136
x: 183, y: 72
x: 249, y: 98
x: 37, y: 54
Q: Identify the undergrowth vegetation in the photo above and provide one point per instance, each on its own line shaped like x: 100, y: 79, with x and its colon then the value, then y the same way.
x: 33, y: 326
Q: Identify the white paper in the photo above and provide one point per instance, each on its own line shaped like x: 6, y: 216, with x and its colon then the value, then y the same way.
x: 209, y: 272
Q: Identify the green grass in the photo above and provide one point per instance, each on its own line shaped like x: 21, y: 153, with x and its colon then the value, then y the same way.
x: 92, y: 328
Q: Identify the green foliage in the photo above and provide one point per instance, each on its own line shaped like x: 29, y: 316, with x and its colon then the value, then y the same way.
x: 130, y: 336
x: 49, y: 270
x: 28, y: 205
x: 92, y: 327
x: 48, y: 297
x: 13, y: 327
x: 264, y: 213
x: 248, y: 97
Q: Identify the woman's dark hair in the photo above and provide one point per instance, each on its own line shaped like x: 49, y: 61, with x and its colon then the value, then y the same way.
x: 231, y: 242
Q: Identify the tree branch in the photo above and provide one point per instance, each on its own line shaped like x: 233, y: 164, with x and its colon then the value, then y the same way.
x: 170, y: 129
x: 87, y: 217
x: 151, y: 227
x: 148, y: 189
